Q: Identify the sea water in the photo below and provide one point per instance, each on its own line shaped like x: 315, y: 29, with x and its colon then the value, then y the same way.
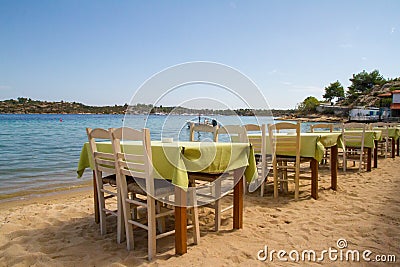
x: 40, y: 152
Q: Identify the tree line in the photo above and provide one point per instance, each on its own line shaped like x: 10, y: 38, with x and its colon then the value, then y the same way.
x: 361, y: 84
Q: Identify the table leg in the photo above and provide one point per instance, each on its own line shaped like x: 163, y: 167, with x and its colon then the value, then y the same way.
x: 398, y: 146
x: 375, y: 153
x: 393, y: 147
x: 334, y: 166
x: 95, y: 200
x: 369, y: 158
x: 314, y: 178
x: 180, y: 221
x: 238, y: 199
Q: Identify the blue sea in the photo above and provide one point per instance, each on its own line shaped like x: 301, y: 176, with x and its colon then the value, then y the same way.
x: 40, y: 152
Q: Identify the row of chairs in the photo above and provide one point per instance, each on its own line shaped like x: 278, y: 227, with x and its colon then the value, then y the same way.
x: 283, y: 166
x: 129, y: 178
x: 130, y: 190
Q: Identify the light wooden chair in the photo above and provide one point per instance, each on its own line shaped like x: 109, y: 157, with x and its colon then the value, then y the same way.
x: 234, y: 133
x: 107, y: 185
x: 321, y: 127
x: 385, y: 144
x: 258, y: 142
x: 324, y: 127
x: 221, y: 184
x: 351, y: 152
x: 286, y: 157
x: 138, y: 164
x: 201, y: 128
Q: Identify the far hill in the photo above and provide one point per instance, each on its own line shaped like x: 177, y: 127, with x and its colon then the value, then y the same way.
x: 371, y: 99
x: 23, y: 105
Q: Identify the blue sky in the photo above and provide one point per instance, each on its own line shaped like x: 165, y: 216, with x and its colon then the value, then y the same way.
x: 100, y: 52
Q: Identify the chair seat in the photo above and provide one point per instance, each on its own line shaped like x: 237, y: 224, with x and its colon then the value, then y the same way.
x: 160, y: 187
x: 291, y: 158
x: 209, y: 177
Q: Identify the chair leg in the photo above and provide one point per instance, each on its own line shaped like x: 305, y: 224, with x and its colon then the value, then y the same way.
x: 296, y: 181
x: 275, y: 180
x: 120, y: 221
x: 101, y: 201
x: 160, y: 221
x: 195, y: 219
x: 217, y: 206
x: 262, y: 188
x: 128, y: 227
x: 151, y: 222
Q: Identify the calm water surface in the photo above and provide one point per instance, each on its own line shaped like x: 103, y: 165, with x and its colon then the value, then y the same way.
x: 40, y: 153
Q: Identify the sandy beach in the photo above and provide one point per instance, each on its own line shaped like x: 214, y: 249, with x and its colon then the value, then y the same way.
x: 59, y: 230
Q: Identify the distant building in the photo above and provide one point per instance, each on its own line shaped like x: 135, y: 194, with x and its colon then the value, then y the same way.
x: 364, y: 114
x: 395, y: 104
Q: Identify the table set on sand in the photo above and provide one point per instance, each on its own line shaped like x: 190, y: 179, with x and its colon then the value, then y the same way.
x: 169, y: 161
x: 176, y: 161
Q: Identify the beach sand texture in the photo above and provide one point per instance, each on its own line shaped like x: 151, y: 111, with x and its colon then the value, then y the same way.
x: 60, y: 230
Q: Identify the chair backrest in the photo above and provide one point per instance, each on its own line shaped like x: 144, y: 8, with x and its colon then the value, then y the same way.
x: 383, y: 127
x: 257, y: 141
x: 353, y: 133
x: 201, y: 128
x: 322, y: 126
x: 135, y: 162
x: 252, y: 127
x: 285, y: 144
x: 103, y: 161
x: 236, y: 133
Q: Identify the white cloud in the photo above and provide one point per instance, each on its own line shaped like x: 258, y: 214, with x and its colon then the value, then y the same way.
x: 307, y: 88
x: 272, y: 72
x: 5, y: 87
x: 392, y: 30
x: 347, y: 45
x: 364, y: 58
x: 287, y: 83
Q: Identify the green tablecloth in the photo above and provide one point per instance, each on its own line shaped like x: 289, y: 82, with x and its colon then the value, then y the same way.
x: 370, y: 136
x: 394, y: 132
x: 172, y: 161
x: 312, y: 145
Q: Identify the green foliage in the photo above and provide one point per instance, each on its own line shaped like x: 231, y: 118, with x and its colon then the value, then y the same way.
x: 334, y: 90
x: 362, y: 83
x: 385, y: 102
x: 309, y: 105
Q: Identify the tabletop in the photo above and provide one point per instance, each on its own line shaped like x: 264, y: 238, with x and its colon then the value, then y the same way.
x: 173, y: 160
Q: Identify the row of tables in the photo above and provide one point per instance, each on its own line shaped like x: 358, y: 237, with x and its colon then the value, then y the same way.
x: 172, y: 161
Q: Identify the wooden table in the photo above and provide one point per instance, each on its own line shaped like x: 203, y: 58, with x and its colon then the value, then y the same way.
x: 242, y: 158
x: 313, y: 146
x: 371, y: 139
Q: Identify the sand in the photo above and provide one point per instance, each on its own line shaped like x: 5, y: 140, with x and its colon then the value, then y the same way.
x: 59, y: 230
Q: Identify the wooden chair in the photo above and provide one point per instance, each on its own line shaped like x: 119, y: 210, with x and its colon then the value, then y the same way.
x: 286, y: 158
x: 138, y: 164
x: 351, y: 152
x: 221, y: 184
x: 323, y: 127
x: 234, y: 133
x: 385, y: 144
x: 258, y: 142
x: 107, y: 185
x: 201, y: 128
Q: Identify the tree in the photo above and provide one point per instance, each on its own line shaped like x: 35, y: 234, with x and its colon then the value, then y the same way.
x: 334, y: 90
x: 362, y: 83
x: 309, y: 105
